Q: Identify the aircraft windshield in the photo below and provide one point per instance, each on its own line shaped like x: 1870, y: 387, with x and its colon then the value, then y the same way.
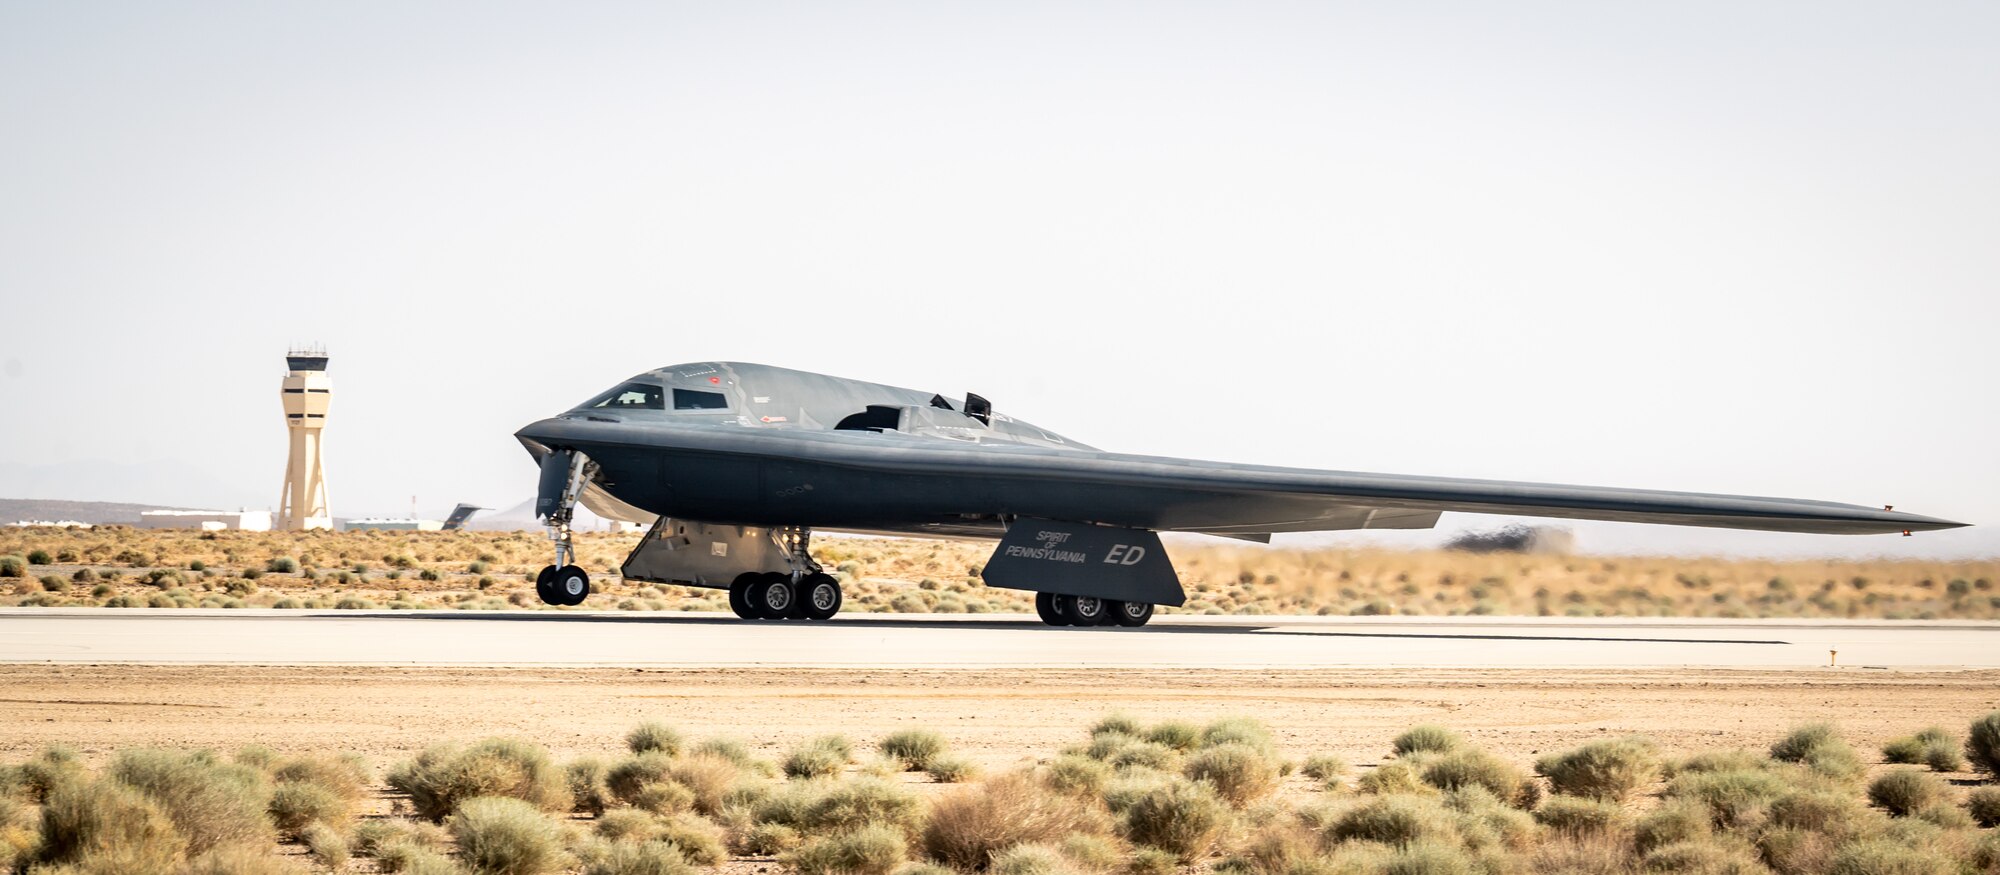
x: 631, y: 396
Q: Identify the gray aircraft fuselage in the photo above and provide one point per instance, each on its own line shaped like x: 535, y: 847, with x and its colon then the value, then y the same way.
x: 766, y: 446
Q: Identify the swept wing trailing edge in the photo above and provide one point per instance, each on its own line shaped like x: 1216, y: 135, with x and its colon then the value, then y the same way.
x: 734, y: 464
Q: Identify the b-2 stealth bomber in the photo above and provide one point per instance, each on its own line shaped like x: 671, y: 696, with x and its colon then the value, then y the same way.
x: 734, y: 465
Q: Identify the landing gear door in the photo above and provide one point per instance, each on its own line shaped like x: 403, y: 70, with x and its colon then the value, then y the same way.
x: 1079, y: 559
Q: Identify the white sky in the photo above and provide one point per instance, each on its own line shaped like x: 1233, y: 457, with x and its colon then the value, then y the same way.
x: 1712, y: 246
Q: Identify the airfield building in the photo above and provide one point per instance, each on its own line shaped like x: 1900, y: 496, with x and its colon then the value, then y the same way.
x: 206, y: 520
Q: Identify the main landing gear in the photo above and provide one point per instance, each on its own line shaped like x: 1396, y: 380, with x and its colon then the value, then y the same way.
x: 804, y: 592
x: 1083, y: 610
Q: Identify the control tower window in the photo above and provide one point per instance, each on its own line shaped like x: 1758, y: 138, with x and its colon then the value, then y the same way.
x: 689, y: 399
x: 632, y: 396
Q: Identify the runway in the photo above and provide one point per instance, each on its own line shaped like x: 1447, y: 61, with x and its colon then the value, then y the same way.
x: 690, y: 640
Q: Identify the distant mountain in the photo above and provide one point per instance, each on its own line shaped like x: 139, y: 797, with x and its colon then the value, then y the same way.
x: 93, y: 512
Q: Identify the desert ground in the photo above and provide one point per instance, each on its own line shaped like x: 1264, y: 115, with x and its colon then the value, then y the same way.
x: 1309, y: 712
x: 494, y: 570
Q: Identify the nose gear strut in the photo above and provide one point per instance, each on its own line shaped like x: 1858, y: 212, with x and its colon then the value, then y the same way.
x: 563, y: 583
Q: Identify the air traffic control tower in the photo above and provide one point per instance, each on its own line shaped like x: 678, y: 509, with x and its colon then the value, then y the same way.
x: 308, y: 393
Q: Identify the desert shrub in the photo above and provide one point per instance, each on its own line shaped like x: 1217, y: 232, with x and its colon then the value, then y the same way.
x: 698, y: 840
x: 1468, y: 767
x: 1092, y: 851
x: 653, y: 737
x: 821, y: 807
x: 635, y: 773
x: 739, y: 753
x: 766, y: 839
x: 1175, y: 735
x: 500, y: 835
x: 211, y: 803
x: 1609, y: 769
x: 1731, y: 797
x: 1394, y: 820
x: 54, y: 764
x: 296, y: 804
x: 13, y: 566
x: 372, y: 836
x: 1105, y: 745
x: 1982, y: 744
x: 1819, y: 811
x: 110, y: 825
x: 1903, y: 792
x: 914, y: 747
x: 413, y: 860
x: 715, y: 781
x: 1719, y: 761
x: 1031, y: 860
x: 1178, y: 816
x: 1392, y: 778
x: 1983, y: 804
x: 1578, y: 816
x: 55, y: 583
x: 1246, y: 731
x: 443, y: 776
x: 665, y: 797
x: 1152, y: 861
x: 869, y: 850
x: 626, y: 825
x: 1119, y: 722
x: 1428, y: 858
x: 1593, y: 854
x: 40, y: 557
x: 1943, y: 757
x: 1934, y: 746
x: 588, y: 792
x: 951, y: 769
x: 1678, y: 820
x: 1819, y: 747
x: 1426, y: 739
x: 237, y: 860
x: 819, y: 758
x: 353, y: 603
x: 282, y: 565
x: 1887, y: 857
x: 1239, y: 773
x: 1703, y: 857
x: 1144, y: 754
x: 345, y: 777
x: 1325, y: 768
x: 326, y: 845
x: 258, y: 757
x: 1077, y: 775
x: 645, y: 858
x: 966, y: 827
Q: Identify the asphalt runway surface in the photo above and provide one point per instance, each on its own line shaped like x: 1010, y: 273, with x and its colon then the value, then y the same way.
x: 700, y: 640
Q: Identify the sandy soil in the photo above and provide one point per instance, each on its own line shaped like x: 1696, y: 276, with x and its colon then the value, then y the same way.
x: 996, y: 718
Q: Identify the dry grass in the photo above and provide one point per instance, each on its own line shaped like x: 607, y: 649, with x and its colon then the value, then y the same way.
x: 126, y: 567
x: 186, y: 813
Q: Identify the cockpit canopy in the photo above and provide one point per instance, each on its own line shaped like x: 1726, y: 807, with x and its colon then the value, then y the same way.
x: 649, y: 396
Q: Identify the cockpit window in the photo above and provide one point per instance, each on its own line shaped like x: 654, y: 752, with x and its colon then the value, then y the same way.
x: 631, y: 396
x: 689, y: 399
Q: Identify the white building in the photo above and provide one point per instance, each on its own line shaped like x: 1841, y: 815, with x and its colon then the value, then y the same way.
x: 206, y: 520
x: 49, y: 524
x: 386, y: 524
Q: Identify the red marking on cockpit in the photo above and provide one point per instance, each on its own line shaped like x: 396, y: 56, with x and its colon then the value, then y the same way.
x: 715, y: 379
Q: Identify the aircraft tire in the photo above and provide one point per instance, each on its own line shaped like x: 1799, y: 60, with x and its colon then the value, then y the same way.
x: 571, y: 585
x: 739, y: 595
x: 1084, y: 610
x: 545, y: 585
x: 1045, y: 607
x: 820, y: 596
x: 1132, y: 614
x: 1112, y: 608
x: 772, y: 596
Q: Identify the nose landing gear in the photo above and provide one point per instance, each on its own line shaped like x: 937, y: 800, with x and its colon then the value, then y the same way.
x: 564, y: 584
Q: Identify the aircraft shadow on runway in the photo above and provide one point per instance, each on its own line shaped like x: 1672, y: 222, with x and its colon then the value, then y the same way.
x: 863, y: 621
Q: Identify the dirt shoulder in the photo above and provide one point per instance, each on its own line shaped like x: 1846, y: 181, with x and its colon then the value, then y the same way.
x: 998, y: 718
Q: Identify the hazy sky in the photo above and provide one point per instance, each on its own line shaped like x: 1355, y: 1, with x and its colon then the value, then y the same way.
x: 1724, y: 247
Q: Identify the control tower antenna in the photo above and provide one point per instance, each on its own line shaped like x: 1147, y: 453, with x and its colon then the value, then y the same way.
x: 308, y: 393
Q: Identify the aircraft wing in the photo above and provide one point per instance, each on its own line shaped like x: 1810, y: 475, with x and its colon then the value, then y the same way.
x: 1168, y: 494
x: 911, y: 480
